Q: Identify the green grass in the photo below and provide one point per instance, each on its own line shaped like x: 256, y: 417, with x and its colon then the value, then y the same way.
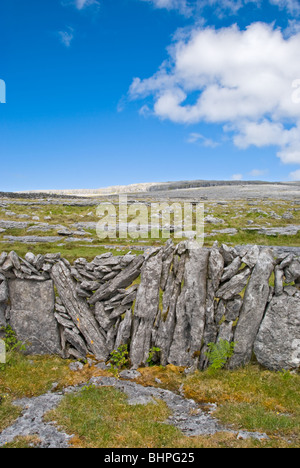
x: 235, y: 214
x: 101, y: 417
x: 70, y: 251
x: 248, y: 398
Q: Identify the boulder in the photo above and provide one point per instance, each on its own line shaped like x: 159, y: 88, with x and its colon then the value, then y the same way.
x: 191, y: 309
x: 234, y: 286
x: 32, y: 315
x: 253, y: 308
x: 277, y: 345
x: 146, y: 309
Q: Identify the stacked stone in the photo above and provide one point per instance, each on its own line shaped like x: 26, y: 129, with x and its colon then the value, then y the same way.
x: 176, y: 298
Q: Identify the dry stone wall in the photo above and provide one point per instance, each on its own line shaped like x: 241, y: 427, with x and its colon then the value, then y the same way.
x: 175, y: 298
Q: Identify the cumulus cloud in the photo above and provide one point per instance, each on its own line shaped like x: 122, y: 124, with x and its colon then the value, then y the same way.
x: 295, y: 175
x: 81, y: 4
x: 258, y: 172
x: 66, y: 37
x: 292, y: 6
x: 242, y: 79
x: 221, y: 7
x: 204, y: 141
x: 237, y: 177
x: 183, y: 6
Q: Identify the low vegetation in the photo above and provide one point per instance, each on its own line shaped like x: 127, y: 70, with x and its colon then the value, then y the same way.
x: 249, y: 398
x: 241, y: 215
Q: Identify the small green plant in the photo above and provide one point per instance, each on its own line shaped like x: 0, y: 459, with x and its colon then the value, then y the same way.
x: 11, y: 341
x: 285, y: 374
x: 119, y: 359
x: 219, y: 353
x: 152, y: 353
x: 12, y: 344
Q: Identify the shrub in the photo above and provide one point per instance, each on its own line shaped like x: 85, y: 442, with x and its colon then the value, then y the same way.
x: 219, y: 353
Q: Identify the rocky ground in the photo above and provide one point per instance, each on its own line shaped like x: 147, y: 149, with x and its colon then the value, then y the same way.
x: 186, y: 415
x: 234, y: 213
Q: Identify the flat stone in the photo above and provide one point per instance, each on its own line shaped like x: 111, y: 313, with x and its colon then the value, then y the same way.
x: 32, y: 315
x: 253, y: 308
x: 277, y: 345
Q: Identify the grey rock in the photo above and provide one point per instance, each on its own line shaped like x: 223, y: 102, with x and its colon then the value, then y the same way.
x: 39, y: 261
x: 7, y: 265
x: 124, y: 330
x: 245, y: 435
x: 234, y: 286
x: 292, y: 272
x: 291, y: 291
x: 146, y: 309
x: 3, y: 257
x: 32, y: 315
x: 226, y: 331
x: 76, y: 366
x: 290, y: 230
x: 3, y: 292
x: 102, y: 316
x: 254, y: 305
x: 220, y: 311
x: 32, y: 239
x: 286, y: 261
x: 287, y: 215
x: 212, y: 220
x: 77, y: 341
x: 130, y: 374
x: 215, y: 267
x: 191, y: 309
x: 66, y: 323
x: 231, y: 269
x: 277, y: 345
x: 13, y: 224
x: 32, y: 422
x: 79, y: 310
x: 122, y: 280
x: 251, y: 256
x: 167, y: 323
x: 229, y: 254
x: 278, y: 288
x: 233, y: 308
x: 3, y: 321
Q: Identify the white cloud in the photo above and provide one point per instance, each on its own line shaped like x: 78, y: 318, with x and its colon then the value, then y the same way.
x: 183, y: 6
x: 66, y: 37
x: 295, y: 175
x: 292, y: 6
x: 237, y: 177
x: 258, y: 172
x: 204, y: 141
x: 241, y: 79
x: 80, y: 4
x: 221, y: 8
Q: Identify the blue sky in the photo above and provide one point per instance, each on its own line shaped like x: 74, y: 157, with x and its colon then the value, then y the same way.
x: 107, y: 92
